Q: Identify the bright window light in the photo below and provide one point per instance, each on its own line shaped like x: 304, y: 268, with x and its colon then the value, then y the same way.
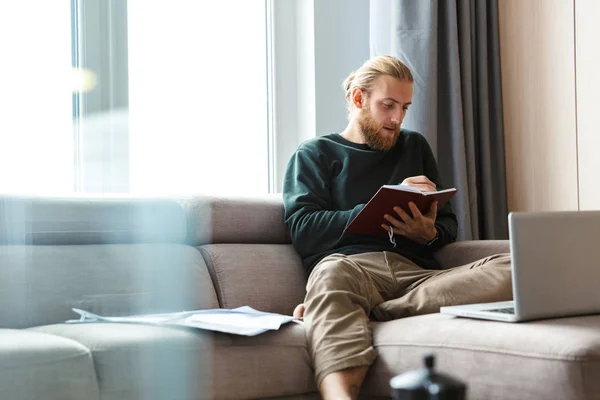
x: 36, y: 80
x: 197, y: 97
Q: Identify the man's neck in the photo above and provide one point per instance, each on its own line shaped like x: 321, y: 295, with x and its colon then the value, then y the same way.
x: 352, y: 133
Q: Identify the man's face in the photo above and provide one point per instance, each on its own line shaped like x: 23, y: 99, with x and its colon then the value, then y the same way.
x: 383, y: 111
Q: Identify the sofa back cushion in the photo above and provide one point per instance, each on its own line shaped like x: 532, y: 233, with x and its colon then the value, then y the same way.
x: 256, y: 219
x: 266, y: 277
x: 90, y: 220
x: 41, y: 284
x: 248, y: 252
x: 108, y: 256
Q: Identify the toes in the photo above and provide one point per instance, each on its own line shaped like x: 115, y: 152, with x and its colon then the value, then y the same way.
x: 299, y: 311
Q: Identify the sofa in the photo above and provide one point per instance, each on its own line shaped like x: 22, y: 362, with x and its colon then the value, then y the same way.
x: 122, y: 255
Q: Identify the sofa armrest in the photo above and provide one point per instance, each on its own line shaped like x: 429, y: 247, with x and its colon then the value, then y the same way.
x: 459, y: 253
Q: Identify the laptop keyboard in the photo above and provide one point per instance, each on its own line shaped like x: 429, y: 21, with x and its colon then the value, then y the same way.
x: 509, y: 310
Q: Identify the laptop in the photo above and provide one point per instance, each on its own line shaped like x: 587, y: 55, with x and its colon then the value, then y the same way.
x: 555, y: 261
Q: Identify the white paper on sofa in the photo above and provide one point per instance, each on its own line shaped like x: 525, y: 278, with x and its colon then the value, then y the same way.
x: 239, y: 321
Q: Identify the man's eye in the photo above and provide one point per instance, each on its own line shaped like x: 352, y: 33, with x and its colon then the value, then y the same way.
x: 387, y: 105
x: 405, y: 108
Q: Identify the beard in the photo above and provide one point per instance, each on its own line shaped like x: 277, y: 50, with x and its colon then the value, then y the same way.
x: 371, y: 131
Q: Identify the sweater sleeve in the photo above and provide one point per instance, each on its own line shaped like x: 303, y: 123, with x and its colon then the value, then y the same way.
x: 313, y: 224
x: 446, y: 222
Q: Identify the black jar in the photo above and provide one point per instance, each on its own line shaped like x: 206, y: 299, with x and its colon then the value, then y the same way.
x: 427, y: 384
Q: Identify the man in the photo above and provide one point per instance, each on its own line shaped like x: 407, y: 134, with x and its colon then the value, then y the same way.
x: 353, y: 278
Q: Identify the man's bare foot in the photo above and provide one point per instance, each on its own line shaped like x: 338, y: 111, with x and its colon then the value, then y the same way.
x: 299, y: 311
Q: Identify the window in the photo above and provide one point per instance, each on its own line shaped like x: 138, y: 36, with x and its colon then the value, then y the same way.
x: 36, y: 141
x: 198, y: 96
x: 176, y: 103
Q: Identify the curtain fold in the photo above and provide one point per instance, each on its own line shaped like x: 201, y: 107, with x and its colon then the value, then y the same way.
x: 452, y: 47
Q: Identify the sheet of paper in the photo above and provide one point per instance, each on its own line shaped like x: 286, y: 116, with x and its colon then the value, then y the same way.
x: 241, y: 321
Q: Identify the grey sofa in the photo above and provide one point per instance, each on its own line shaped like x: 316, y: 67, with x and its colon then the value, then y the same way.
x: 119, y: 256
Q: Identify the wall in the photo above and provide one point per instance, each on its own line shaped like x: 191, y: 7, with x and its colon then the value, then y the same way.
x: 551, y: 91
x: 329, y: 39
x: 587, y: 17
x: 551, y: 97
x: 538, y: 81
x: 341, y: 46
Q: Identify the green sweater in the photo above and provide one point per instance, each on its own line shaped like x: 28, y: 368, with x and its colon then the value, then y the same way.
x: 329, y: 180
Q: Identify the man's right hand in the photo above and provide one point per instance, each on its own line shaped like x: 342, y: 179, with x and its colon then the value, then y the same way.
x: 420, y: 182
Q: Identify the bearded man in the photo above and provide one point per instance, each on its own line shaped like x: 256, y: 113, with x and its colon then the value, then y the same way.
x: 354, y: 278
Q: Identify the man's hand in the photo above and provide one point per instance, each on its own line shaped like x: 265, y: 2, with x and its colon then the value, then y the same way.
x: 419, y: 228
x: 420, y: 182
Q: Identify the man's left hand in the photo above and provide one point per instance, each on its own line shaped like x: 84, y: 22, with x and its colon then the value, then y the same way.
x: 419, y: 228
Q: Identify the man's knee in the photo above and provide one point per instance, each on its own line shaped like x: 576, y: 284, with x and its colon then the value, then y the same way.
x: 501, y: 261
x: 503, y: 258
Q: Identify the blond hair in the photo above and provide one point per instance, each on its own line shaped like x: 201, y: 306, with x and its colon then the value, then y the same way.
x: 364, y: 77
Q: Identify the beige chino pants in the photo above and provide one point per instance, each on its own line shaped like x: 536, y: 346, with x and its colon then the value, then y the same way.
x: 345, y: 292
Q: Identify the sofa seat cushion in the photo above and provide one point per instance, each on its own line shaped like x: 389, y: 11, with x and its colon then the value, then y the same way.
x: 36, y: 365
x: 142, y: 361
x: 153, y: 362
x: 271, y: 365
x: 547, y: 359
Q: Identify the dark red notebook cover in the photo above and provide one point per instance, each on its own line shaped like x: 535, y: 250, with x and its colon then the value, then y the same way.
x: 370, y: 218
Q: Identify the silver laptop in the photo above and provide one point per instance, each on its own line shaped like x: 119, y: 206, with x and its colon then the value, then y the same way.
x: 555, y: 268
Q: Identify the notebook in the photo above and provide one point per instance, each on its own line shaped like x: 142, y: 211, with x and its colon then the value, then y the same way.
x: 368, y: 221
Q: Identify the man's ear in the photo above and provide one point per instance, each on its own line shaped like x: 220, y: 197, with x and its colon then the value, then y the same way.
x: 359, y: 98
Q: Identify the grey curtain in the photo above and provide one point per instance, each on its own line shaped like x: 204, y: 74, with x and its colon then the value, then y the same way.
x: 452, y: 48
